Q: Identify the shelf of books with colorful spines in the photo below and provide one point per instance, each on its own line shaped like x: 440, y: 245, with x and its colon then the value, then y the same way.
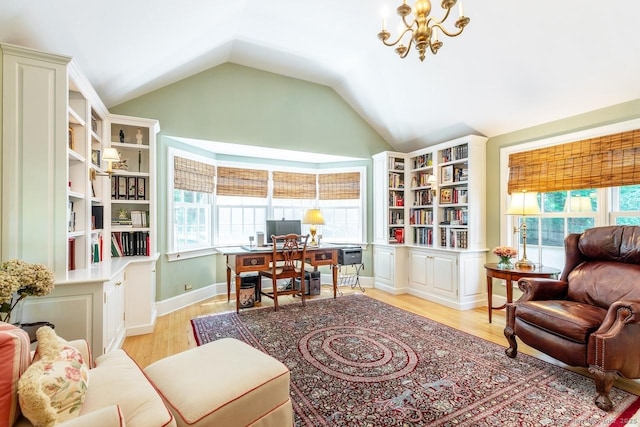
x: 454, y: 238
x: 422, y: 161
x: 130, y: 243
x: 452, y: 154
x: 455, y: 216
x: 423, y: 236
x: 396, y: 234
x: 421, y: 216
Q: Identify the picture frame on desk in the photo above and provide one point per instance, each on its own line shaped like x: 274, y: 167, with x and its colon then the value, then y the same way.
x: 446, y: 174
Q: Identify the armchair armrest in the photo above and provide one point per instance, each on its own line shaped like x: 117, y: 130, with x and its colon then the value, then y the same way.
x: 619, y: 313
x: 538, y: 288
x: 613, y: 347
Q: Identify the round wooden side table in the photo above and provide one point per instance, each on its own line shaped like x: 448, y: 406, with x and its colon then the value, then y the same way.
x: 512, y: 275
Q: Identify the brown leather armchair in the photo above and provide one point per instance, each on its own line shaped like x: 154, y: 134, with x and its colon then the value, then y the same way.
x: 590, y: 317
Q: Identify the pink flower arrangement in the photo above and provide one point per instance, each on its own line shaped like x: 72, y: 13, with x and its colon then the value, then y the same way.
x: 505, y: 251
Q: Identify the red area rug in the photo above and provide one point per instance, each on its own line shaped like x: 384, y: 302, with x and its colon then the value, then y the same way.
x: 356, y: 361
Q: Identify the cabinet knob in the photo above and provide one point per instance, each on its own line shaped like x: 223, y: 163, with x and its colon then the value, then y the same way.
x: 118, y: 283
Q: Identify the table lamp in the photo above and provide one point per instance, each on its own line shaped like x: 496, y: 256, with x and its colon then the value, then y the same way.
x: 313, y: 217
x: 523, y: 204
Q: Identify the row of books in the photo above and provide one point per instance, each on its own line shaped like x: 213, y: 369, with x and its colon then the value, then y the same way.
x: 422, y: 161
x: 421, y: 217
x: 396, y: 180
x: 423, y: 198
x: 423, y: 236
x: 128, y: 188
x: 455, y: 216
x: 455, y: 153
x: 130, y: 243
x: 457, y: 238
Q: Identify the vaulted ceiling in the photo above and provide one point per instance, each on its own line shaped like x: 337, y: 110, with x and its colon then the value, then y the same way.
x: 517, y: 64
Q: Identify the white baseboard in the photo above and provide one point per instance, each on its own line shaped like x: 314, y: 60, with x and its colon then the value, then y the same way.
x: 180, y: 301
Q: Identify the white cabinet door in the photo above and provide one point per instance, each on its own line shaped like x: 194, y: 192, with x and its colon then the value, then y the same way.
x: 444, y: 276
x: 140, y: 298
x: 419, y: 264
x: 384, y: 264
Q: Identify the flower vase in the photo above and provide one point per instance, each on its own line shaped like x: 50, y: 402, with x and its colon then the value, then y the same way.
x: 13, y: 310
x: 505, y: 263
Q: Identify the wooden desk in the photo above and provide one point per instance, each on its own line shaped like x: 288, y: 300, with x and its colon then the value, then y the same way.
x: 510, y: 276
x: 241, y: 260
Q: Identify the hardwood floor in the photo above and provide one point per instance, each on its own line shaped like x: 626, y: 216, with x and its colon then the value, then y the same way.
x: 173, y: 332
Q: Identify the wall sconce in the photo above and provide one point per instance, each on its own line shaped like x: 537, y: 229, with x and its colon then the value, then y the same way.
x: 109, y: 155
x: 524, y: 204
x: 313, y: 217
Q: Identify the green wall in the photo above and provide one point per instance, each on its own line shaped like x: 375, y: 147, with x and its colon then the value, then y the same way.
x: 236, y: 104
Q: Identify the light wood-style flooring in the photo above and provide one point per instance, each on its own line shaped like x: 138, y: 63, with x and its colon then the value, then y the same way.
x: 173, y: 332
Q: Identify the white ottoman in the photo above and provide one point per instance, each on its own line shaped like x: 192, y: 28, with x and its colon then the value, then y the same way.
x: 224, y: 383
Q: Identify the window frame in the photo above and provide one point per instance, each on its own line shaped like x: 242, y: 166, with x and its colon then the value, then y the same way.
x: 175, y: 253
x: 270, y: 200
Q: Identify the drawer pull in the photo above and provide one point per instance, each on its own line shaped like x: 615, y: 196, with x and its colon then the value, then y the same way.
x: 118, y: 283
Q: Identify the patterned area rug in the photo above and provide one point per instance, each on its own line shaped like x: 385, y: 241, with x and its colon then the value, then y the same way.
x: 356, y: 361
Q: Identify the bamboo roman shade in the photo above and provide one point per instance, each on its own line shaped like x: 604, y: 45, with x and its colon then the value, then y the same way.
x: 242, y: 182
x: 290, y: 185
x: 606, y: 161
x: 339, y: 186
x: 192, y: 175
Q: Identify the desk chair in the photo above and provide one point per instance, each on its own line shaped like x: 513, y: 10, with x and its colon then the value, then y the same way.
x: 289, y: 253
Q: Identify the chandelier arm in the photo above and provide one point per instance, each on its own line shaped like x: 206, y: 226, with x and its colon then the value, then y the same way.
x: 400, y: 38
x: 447, y: 33
x: 444, y: 18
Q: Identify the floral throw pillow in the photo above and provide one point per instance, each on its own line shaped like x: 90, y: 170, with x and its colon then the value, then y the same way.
x: 53, y: 389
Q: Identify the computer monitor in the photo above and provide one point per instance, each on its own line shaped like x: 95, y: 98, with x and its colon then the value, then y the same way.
x: 280, y: 227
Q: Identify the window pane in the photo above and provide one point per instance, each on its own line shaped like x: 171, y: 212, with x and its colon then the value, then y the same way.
x: 192, y: 221
x: 628, y: 220
x: 554, y: 202
x: 630, y: 198
x: 553, y: 231
x: 533, y: 231
x: 578, y: 225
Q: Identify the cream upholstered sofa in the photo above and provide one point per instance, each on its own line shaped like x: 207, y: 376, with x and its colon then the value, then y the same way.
x: 223, y: 383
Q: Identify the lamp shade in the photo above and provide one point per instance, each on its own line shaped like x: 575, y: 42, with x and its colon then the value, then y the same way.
x: 524, y: 203
x: 313, y: 216
x: 579, y: 204
x: 110, y: 154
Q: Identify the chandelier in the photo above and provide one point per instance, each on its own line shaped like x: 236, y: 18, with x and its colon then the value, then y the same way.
x: 423, y: 29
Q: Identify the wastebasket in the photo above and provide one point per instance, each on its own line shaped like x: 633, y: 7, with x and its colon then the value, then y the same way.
x: 248, y: 290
